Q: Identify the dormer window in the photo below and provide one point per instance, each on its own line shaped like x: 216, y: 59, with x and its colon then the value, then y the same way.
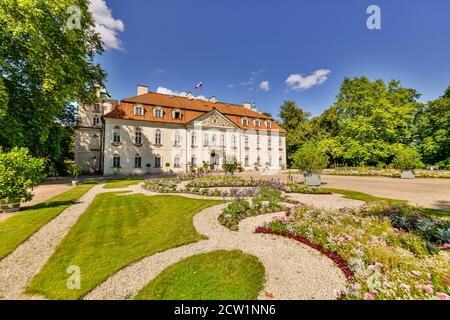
x: 176, y: 114
x: 138, y: 110
x: 97, y: 107
x: 244, y: 121
x: 158, y: 112
x: 256, y: 122
x: 268, y: 124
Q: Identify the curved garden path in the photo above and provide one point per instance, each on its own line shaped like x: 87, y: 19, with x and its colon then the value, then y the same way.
x: 293, y: 270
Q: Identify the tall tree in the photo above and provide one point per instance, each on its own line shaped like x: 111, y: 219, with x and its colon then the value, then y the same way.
x: 375, y: 119
x: 46, y: 63
x: 433, y: 130
x: 292, y: 118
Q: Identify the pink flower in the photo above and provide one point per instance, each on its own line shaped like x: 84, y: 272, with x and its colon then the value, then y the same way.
x: 442, y: 296
x: 416, y: 273
x: 368, y: 296
x: 444, y: 246
x: 447, y: 278
x: 428, y: 288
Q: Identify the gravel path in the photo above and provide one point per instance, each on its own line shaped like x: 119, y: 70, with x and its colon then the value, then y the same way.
x: 18, y: 268
x: 293, y: 270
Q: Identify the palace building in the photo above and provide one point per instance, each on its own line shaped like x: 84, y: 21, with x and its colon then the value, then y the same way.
x: 154, y: 133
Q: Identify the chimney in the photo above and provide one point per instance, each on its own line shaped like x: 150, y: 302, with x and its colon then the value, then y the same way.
x: 189, y: 95
x: 141, y: 89
x: 247, y: 105
x: 213, y: 99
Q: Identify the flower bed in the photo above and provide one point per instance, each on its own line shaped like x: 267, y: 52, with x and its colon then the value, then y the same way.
x: 303, y: 188
x: 268, y: 201
x: 337, y: 259
x: 387, y: 262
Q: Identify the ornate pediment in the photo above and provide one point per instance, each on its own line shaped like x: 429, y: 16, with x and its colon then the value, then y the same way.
x: 215, y: 119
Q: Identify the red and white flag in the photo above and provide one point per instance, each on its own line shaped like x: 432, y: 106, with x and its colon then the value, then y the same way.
x: 199, y: 85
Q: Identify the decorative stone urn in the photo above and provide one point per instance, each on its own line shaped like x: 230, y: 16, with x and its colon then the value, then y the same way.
x: 9, y: 205
x: 312, y: 179
x: 407, y: 174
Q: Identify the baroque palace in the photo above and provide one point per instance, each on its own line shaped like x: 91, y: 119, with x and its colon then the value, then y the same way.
x: 153, y: 133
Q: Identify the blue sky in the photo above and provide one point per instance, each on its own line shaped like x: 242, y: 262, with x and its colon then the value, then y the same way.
x: 232, y: 46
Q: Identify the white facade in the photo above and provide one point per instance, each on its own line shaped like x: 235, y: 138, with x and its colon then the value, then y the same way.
x: 178, y: 147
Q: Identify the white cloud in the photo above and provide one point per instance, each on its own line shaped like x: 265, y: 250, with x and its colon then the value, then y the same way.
x: 106, y: 25
x: 176, y: 93
x: 299, y: 82
x: 248, y: 83
x: 264, y: 85
x: 161, y: 70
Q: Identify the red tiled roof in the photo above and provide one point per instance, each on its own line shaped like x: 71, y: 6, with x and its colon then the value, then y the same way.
x: 191, y: 109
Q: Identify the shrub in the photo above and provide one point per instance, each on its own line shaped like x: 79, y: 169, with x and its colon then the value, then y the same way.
x: 407, y: 159
x: 75, y: 170
x: 19, y: 171
x: 310, y: 159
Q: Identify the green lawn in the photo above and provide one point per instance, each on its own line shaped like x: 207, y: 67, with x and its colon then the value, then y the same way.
x: 219, y: 275
x: 432, y: 213
x: 115, y: 231
x: 363, y: 196
x: 111, y: 184
x: 19, y: 227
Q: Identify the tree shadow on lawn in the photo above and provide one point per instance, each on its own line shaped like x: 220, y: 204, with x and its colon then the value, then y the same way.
x: 47, y: 205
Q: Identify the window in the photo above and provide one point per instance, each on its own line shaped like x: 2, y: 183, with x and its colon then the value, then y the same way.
x: 158, y: 139
x: 205, y: 140
x: 269, y: 162
x: 116, y: 161
x: 246, y: 161
x: 269, y: 143
x: 280, y: 143
x: 138, y: 136
x: 257, y: 123
x: 96, y: 120
x: 193, y: 139
x: 233, y: 141
x: 280, y: 160
x: 268, y: 124
x: 176, y: 114
x: 194, y: 161
x: 158, y: 113
x: 138, y: 161
x: 157, y: 162
x: 244, y: 121
x: 97, y: 107
x: 138, y: 110
x: 258, y: 161
x: 258, y: 140
x: 222, y: 140
x: 116, y: 135
x: 177, y: 141
x: 246, y: 141
x: 213, y: 139
x: 176, y: 162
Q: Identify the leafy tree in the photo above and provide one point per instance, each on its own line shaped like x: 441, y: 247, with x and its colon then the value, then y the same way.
x: 310, y: 158
x: 432, y: 130
x: 292, y: 118
x: 407, y: 159
x: 375, y: 119
x: 19, y: 171
x: 44, y: 67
